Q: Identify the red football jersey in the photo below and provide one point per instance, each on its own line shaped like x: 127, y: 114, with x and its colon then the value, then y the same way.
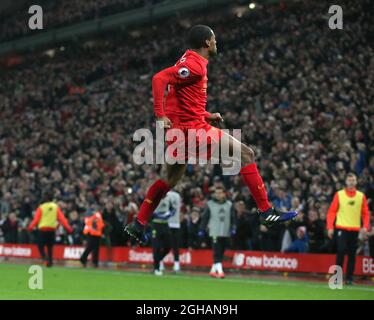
x: 187, y: 90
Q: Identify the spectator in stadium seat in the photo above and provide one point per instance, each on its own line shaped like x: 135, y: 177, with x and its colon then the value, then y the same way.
x: 315, y: 231
x: 241, y: 239
x: 282, y: 200
x: 299, y: 221
x: 10, y: 228
x: 296, y: 204
x: 26, y: 209
x: 270, y: 238
x: 113, y: 224
x: 194, y: 240
x: 77, y: 225
x: 23, y: 235
x: 5, y: 204
x: 300, y: 244
x: 254, y: 223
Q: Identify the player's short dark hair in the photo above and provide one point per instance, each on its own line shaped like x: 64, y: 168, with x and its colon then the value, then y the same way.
x: 351, y: 175
x: 48, y: 195
x: 197, y: 36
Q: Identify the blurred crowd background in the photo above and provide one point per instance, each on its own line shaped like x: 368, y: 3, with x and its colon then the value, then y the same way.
x: 301, y: 93
x: 58, y: 14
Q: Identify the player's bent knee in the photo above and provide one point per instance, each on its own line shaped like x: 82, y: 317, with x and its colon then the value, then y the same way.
x: 172, y: 181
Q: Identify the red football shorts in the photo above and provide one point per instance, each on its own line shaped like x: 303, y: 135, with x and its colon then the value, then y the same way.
x: 195, y: 141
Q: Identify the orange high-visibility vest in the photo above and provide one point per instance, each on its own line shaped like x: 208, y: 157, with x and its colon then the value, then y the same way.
x: 94, y: 225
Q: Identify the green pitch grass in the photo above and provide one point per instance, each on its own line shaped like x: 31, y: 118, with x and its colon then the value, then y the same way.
x: 76, y: 283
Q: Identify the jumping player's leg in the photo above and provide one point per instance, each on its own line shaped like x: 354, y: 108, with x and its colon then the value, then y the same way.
x: 170, y: 176
x: 253, y: 179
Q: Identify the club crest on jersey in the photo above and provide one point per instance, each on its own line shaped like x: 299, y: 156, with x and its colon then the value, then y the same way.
x: 183, y: 72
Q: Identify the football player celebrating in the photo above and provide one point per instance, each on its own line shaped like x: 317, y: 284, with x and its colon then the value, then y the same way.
x: 184, y: 108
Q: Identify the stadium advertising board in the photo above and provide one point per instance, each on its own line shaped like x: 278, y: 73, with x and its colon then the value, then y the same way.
x: 245, y: 260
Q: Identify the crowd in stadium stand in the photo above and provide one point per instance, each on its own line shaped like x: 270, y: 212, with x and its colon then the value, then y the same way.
x: 64, y: 13
x: 301, y: 93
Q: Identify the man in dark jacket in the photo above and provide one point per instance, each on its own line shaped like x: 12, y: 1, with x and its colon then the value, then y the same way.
x: 316, y: 232
x: 10, y: 228
x: 241, y: 239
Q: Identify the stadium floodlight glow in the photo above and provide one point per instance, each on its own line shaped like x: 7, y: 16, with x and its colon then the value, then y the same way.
x: 252, y: 5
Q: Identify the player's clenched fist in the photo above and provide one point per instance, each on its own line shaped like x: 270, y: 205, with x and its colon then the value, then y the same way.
x: 215, y: 117
x: 166, y: 123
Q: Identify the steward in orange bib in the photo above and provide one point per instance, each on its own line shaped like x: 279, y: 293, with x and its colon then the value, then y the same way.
x: 349, y: 210
x: 93, y: 229
x: 47, y: 217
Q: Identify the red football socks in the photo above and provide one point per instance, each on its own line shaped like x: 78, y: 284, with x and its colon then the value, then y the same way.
x: 256, y: 185
x: 155, y: 193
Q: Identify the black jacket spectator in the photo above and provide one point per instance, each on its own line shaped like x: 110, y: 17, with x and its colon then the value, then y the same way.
x: 241, y: 239
x: 316, y: 232
x: 10, y: 228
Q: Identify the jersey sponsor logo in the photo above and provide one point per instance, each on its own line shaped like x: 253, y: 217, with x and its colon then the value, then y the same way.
x: 183, y: 72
